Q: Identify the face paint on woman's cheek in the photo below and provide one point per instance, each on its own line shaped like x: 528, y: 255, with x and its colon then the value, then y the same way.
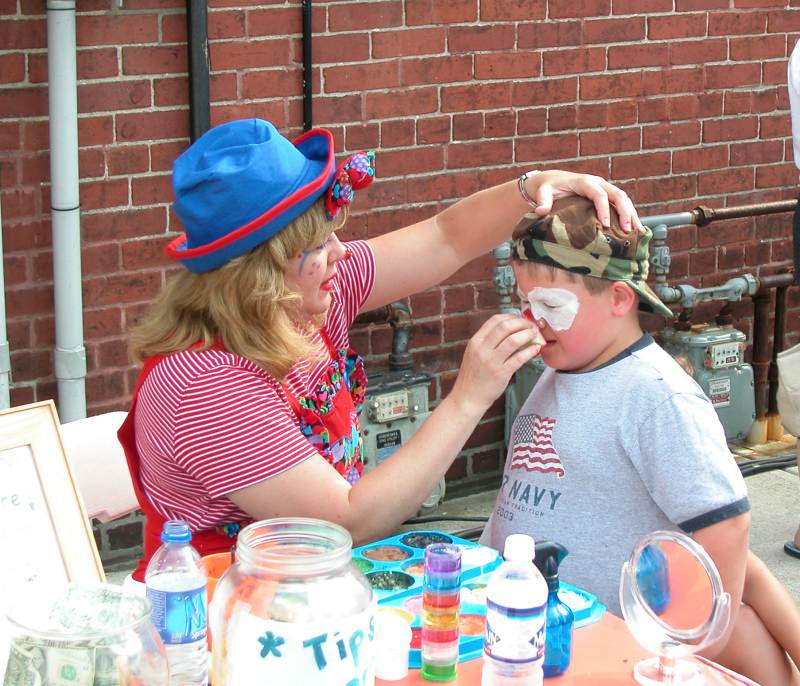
x: 557, y: 306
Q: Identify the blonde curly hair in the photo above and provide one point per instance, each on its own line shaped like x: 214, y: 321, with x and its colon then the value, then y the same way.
x: 244, y: 304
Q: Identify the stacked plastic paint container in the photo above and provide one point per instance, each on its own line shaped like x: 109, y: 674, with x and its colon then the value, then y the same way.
x: 441, y: 589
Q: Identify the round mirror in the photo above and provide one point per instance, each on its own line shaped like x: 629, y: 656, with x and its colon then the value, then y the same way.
x: 673, y: 603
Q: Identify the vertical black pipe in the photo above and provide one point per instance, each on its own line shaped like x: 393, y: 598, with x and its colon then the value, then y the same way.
x: 199, y: 97
x: 761, y: 356
x: 308, y: 76
x: 778, y: 337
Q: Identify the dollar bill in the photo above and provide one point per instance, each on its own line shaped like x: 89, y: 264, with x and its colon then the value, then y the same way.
x: 37, y: 664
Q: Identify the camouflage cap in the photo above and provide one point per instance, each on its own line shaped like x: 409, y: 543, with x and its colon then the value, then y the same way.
x: 572, y: 238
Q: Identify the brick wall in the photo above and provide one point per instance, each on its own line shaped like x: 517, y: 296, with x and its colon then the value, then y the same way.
x: 679, y: 101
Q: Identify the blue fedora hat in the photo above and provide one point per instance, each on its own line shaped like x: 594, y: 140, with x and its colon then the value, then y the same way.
x: 239, y: 184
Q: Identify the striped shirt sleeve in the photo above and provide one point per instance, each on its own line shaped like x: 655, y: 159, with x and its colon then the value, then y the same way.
x: 233, y: 430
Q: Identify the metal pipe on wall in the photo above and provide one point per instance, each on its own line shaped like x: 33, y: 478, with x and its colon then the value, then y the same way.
x: 199, y: 89
x: 70, y: 354
x: 308, y: 75
x: 5, y: 358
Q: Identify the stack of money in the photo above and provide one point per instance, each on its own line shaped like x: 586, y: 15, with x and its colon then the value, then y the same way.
x: 81, y: 639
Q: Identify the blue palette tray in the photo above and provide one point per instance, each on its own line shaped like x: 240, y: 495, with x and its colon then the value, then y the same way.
x: 478, y: 562
x: 394, y: 565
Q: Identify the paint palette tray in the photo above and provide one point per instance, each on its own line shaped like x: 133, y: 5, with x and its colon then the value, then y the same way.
x: 394, y: 565
x: 397, y: 584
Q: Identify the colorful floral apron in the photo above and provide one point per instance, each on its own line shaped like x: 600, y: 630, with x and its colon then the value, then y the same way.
x: 328, y: 419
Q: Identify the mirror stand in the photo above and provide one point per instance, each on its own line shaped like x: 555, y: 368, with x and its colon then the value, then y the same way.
x: 674, y: 605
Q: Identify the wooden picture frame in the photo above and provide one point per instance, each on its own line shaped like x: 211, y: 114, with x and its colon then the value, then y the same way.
x: 45, y: 535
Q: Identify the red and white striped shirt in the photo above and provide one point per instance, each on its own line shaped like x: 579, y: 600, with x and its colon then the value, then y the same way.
x: 211, y: 422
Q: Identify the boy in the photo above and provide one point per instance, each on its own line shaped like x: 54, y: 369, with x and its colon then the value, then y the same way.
x: 615, y: 440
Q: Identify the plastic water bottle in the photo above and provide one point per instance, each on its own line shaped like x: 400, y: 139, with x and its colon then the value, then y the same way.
x: 176, y: 587
x: 516, y: 605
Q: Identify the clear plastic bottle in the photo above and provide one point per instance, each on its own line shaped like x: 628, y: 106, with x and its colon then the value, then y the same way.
x: 516, y: 605
x: 176, y: 587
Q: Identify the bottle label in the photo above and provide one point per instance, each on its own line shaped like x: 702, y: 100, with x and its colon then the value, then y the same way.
x: 178, y: 616
x: 515, y: 635
x: 254, y: 650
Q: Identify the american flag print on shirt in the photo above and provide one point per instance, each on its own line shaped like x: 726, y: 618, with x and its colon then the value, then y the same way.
x: 533, y: 449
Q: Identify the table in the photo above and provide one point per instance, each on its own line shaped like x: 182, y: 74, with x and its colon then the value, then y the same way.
x: 603, y: 654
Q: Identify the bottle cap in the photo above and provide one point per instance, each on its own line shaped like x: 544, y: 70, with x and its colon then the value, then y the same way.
x: 392, y: 643
x: 176, y: 531
x: 519, y: 548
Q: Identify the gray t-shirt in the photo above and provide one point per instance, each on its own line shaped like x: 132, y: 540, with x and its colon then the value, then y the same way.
x: 600, y: 458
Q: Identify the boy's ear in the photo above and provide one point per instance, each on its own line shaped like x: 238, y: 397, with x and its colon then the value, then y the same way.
x: 623, y: 298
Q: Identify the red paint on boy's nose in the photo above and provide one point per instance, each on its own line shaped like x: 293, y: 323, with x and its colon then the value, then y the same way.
x: 527, y: 314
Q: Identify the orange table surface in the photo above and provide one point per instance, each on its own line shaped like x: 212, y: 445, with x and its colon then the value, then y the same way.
x: 603, y: 654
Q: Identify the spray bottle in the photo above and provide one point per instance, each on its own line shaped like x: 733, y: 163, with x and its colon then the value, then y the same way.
x: 558, y: 643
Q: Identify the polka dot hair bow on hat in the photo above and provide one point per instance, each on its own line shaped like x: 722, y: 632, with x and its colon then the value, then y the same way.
x: 355, y: 173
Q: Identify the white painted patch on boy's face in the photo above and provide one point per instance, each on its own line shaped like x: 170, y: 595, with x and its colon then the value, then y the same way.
x: 557, y: 306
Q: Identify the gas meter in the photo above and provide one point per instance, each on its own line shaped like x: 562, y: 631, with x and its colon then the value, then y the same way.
x: 394, y: 407
x: 714, y: 357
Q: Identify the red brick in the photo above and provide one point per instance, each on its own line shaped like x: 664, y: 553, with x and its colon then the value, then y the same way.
x: 733, y: 75
x: 23, y: 102
x: 626, y: 85
x: 154, y: 60
x: 661, y: 190
x: 436, y: 70
x: 148, y: 125
x: 31, y: 364
x: 637, y: 166
x: 91, y: 163
x: 349, y: 47
x: 757, y: 48
x: 416, y: 160
x: 397, y: 133
x: 151, y: 189
x: 773, y: 73
x: 776, y: 175
x: 781, y: 21
x: 696, y: 159
x: 34, y: 170
x: 596, y: 31
x: 550, y: 91
x: 595, y: 115
x: 736, y: 23
x: 433, y: 130
x: 241, y: 55
x: 679, y: 80
x: 145, y: 254
x: 546, y: 148
x: 113, y: 96
x: 761, y: 152
x: 371, y: 76
x: 171, y: 92
x: 498, y: 124
x: 406, y: 42
x: 461, y: 155
x: 12, y: 67
x: 738, y: 129
x: 475, y: 97
x: 162, y: 155
x: 725, y: 181
x: 116, y: 29
x: 695, y: 106
x: 512, y: 10
x: 671, y: 135
x: 223, y: 87
x: 467, y: 126
x: 519, y: 64
x: 641, y: 6
x: 537, y: 35
x: 577, y: 61
x: 281, y: 21
x: 96, y: 130
x: 441, y: 12
x: 415, y: 101
x: 698, y: 52
x: 129, y: 223
x: 758, y: 3
x: 690, y: 5
x: 121, y: 288
x: 368, y: 16
x: 616, y: 141
x: 106, y: 193
x: 18, y: 203
x: 480, y: 38
x: 532, y: 120
x: 566, y: 9
x: 677, y: 26
x: 630, y: 56
x: 271, y: 83
x: 22, y: 34
x: 562, y: 118
x: 362, y: 136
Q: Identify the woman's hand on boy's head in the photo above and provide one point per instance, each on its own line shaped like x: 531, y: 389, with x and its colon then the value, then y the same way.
x: 555, y: 183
